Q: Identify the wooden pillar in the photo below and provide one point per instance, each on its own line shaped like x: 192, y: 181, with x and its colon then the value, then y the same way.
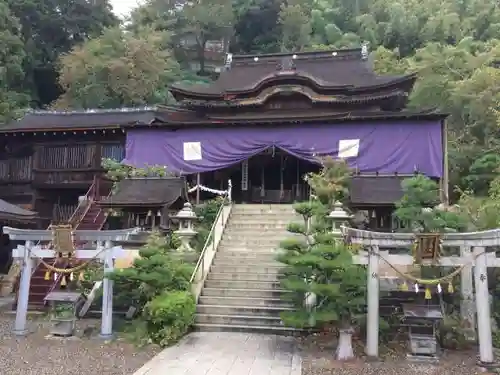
x: 97, y: 174
x: 445, y: 197
x: 373, y: 303
x: 198, y: 183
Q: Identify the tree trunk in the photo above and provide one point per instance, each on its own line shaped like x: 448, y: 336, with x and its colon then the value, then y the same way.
x: 344, y: 350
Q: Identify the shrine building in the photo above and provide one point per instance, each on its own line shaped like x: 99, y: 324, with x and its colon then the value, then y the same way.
x: 263, y: 124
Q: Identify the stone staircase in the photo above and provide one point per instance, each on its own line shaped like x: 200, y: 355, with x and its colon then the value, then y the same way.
x: 242, y: 290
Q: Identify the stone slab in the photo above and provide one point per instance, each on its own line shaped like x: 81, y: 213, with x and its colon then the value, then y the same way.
x: 222, y: 353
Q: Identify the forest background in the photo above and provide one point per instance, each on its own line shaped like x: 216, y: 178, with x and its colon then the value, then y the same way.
x: 76, y: 54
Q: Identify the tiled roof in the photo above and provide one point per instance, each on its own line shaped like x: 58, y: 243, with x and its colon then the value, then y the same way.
x: 84, y: 119
x: 15, y: 213
x: 157, y: 192
x: 343, y: 69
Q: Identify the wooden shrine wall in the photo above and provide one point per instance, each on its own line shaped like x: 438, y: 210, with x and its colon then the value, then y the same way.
x: 39, y: 171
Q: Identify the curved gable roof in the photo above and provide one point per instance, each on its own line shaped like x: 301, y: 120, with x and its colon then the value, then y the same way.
x: 342, y: 70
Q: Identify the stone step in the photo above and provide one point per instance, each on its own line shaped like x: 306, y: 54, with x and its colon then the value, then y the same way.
x: 270, y: 246
x: 242, y: 310
x: 239, y: 320
x: 242, y: 301
x: 268, y: 330
x: 272, y: 235
x: 251, y: 242
x: 244, y: 253
x: 242, y: 284
x: 260, y: 221
x: 255, y: 268
x: 242, y: 276
x: 237, y: 261
x: 250, y: 293
x: 265, y: 227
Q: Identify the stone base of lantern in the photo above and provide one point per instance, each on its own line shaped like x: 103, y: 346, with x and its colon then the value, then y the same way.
x: 185, y: 236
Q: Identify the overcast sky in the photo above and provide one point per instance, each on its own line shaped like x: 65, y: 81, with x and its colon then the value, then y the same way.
x: 123, y: 7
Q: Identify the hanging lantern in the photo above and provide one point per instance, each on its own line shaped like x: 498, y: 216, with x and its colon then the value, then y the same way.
x: 158, y: 213
x: 428, y: 293
x: 81, y: 276
x: 47, y: 275
x: 450, y: 288
x: 149, y: 213
x: 63, y: 281
x: 404, y: 287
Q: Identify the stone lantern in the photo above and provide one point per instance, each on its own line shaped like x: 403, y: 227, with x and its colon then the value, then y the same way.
x: 186, y: 218
x: 339, y: 218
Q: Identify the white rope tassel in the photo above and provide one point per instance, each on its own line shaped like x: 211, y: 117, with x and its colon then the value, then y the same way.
x: 439, y: 289
x: 416, y: 288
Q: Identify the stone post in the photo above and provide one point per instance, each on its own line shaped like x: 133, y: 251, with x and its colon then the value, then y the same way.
x: 373, y: 303
x: 20, y: 327
x: 483, y: 307
x: 467, y: 310
x: 107, y: 292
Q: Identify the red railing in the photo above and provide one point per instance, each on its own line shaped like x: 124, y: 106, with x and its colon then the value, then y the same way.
x: 83, y: 205
x: 101, y: 211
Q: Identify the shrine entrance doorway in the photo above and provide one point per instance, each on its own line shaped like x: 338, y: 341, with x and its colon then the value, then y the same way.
x: 272, y: 176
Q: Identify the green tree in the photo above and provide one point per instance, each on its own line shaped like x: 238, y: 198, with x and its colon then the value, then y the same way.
x: 154, y: 272
x: 116, y: 70
x: 50, y: 28
x: 191, y: 24
x: 12, y: 57
x: 420, y: 211
x: 327, y: 288
x: 294, y: 18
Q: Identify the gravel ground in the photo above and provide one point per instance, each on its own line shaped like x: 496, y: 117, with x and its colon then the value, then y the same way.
x: 318, y: 359
x: 38, y: 354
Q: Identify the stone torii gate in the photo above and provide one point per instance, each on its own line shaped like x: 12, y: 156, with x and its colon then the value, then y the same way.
x: 104, y: 250
x: 473, y: 254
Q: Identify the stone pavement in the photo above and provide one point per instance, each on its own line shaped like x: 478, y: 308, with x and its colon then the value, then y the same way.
x: 222, y: 353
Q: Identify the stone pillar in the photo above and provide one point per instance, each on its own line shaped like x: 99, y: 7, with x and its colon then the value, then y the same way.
x: 20, y: 326
x: 467, y: 309
x: 483, y: 307
x: 107, y: 293
x: 373, y: 303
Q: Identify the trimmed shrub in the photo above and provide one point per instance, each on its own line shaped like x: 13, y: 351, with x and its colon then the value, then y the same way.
x: 169, y: 316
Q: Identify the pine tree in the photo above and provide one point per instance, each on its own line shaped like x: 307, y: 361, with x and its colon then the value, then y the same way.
x: 327, y: 288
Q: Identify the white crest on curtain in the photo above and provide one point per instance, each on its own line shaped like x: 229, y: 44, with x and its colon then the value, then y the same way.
x: 348, y: 148
x: 192, y: 151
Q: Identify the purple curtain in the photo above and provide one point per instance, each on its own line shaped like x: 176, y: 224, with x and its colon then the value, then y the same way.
x: 386, y: 148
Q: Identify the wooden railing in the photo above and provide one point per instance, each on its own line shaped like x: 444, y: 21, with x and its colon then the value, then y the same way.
x: 78, y: 156
x: 63, y: 212
x: 63, y: 177
x: 16, y: 170
x: 83, y: 206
